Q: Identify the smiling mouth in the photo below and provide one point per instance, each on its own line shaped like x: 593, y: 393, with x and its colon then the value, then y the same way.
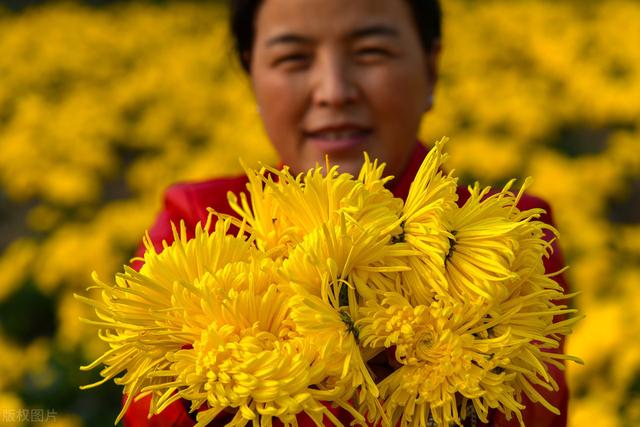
x: 335, y: 141
x: 338, y: 135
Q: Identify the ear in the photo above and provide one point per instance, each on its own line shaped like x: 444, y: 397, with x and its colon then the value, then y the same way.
x: 432, y: 59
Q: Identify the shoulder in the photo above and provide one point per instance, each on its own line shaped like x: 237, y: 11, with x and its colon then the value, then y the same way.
x: 189, y: 201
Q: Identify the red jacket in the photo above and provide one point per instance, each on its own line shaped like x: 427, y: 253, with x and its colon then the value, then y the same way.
x: 189, y: 202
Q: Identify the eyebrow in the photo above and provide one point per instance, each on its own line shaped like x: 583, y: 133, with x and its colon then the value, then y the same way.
x: 289, y: 38
x: 369, y: 31
x: 374, y: 30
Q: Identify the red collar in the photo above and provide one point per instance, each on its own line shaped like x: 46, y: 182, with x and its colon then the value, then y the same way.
x: 400, y: 184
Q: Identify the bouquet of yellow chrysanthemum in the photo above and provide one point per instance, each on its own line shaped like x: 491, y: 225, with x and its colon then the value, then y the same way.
x: 326, y: 272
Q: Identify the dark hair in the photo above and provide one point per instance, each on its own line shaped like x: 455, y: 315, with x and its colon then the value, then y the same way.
x: 427, y: 15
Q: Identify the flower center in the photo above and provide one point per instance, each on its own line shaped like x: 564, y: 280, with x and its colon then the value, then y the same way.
x: 400, y: 237
x: 452, y: 246
x: 351, y: 326
x: 424, y: 345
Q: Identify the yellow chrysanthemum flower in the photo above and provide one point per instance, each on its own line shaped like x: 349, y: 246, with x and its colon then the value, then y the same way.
x: 138, y: 314
x: 332, y: 259
x: 281, y: 209
x: 262, y: 215
x: 372, y: 206
x: 425, y: 227
x: 251, y: 357
x: 326, y: 272
x: 205, y: 320
x: 449, y: 357
x: 334, y: 331
x: 328, y: 275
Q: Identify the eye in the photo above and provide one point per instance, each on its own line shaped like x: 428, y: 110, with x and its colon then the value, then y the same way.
x: 292, y: 60
x: 373, y: 54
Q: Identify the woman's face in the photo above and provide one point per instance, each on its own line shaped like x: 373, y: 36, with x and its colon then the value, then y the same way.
x: 339, y: 77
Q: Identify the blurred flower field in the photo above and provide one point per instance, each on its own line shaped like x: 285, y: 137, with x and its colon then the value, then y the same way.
x: 102, y: 108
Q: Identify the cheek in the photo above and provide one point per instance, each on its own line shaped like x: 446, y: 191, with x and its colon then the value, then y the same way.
x: 398, y: 99
x: 276, y: 101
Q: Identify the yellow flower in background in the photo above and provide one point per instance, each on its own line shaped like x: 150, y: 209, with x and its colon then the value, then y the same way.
x: 14, y: 264
x: 11, y: 405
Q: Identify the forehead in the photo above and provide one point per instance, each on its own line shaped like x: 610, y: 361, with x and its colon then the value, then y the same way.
x: 329, y: 18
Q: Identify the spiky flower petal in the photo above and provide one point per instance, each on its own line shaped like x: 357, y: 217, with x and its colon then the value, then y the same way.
x: 326, y: 272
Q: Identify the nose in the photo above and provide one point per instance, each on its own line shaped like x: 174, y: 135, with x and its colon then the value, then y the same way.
x: 334, y: 85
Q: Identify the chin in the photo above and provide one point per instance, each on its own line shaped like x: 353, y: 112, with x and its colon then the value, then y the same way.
x: 347, y: 162
x: 351, y: 167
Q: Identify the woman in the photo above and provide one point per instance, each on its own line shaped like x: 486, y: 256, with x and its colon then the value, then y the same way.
x: 334, y: 77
